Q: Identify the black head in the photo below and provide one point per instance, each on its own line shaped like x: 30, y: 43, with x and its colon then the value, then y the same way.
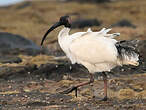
x: 64, y: 20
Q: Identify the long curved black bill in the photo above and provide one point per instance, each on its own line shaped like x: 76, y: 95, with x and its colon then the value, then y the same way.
x: 51, y: 29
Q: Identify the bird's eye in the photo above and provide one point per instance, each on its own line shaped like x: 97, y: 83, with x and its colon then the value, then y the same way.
x: 69, y: 20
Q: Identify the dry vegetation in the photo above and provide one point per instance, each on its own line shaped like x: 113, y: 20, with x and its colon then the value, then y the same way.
x: 32, y: 19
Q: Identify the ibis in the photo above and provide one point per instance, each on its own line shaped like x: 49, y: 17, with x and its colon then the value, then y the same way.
x: 99, y: 52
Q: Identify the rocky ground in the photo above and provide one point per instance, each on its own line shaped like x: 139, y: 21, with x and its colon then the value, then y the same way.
x: 35, y: 93
x: 35, y: 85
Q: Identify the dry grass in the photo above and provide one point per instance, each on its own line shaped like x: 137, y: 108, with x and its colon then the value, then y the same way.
x: 38, y: 60
x: 33, y: 20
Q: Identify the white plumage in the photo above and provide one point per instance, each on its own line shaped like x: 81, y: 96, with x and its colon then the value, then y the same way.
x: 95, y: 50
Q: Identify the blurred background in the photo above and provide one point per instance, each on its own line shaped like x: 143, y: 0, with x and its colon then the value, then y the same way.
x: 32, y: 18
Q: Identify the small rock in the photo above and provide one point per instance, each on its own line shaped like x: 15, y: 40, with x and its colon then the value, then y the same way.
x: 10, y: 59
x: 112, y: 81
x: 126, y: 94
x: 124, y: 23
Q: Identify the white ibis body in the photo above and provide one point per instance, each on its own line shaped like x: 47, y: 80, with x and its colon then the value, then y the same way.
x: 97, y: 51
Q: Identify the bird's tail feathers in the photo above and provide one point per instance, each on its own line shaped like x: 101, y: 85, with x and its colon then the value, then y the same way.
x: 130, y: 58
x: 127, y: 53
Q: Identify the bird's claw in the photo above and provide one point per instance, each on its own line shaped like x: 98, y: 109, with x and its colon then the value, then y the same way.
x: 104, y: 99
x: 69, y: 90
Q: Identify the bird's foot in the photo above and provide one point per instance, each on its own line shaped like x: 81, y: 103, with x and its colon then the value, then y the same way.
x: 69, y: 90
x: 105, y: 98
